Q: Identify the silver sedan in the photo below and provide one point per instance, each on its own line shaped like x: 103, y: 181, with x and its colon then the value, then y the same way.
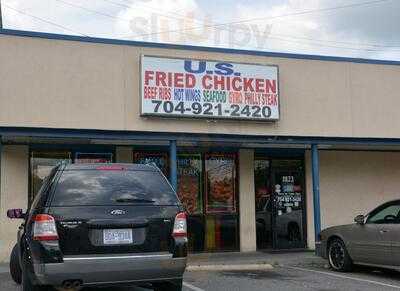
x: 373, y: 240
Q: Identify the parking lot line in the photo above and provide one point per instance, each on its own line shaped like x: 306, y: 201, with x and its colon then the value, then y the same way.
x: 346, y: 277
x: 190, y: 286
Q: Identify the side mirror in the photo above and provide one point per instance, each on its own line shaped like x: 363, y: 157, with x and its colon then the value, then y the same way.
x: 15, y: 214
x: 360, y: 219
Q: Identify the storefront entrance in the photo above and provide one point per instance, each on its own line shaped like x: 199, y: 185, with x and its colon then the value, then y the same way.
x: 207, y: 184
x: 280, y: 207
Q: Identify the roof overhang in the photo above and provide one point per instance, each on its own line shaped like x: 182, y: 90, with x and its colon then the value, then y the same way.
x: 25, y: 135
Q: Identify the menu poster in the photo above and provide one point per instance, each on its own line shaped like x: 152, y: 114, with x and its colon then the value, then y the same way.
x: 220, y: 186
x: 288, y: 194
x: 189, y: 182
x: 285, y: 200
x: 160, y: 159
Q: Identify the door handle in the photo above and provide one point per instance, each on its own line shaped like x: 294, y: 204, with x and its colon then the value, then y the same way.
x: 383, y: 231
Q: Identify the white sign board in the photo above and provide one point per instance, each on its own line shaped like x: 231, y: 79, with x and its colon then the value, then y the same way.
x: 208, y: 89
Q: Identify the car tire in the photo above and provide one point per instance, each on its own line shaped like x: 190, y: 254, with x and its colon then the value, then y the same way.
x: 15, y: 267
x: 169, y: 286
x: 27, y: 284
x: 338, y: 257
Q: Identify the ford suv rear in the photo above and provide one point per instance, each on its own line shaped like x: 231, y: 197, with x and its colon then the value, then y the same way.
x: 102, y: 224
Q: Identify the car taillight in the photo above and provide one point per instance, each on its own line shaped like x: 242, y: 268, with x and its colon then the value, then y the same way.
x: 44, y: 228
x: 180, y: 225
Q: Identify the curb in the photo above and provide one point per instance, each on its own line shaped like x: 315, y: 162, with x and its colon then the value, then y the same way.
x: 247, y: 267
x: 3, y: 270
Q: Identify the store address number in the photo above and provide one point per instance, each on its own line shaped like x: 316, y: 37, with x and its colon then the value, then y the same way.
x: 208, y: 109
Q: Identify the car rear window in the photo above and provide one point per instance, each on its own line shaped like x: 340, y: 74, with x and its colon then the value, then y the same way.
x: 112, y: 187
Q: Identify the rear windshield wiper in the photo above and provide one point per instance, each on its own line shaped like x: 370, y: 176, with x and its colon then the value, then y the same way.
x: 133, y: 200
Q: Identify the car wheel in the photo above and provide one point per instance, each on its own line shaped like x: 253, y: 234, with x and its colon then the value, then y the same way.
x: 15, y: 267
x: 339, y: 258
x: 168, y: 286
x: 27, y: 284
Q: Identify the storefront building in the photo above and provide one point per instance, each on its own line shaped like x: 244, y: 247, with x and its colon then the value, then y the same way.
x: 264, y: 149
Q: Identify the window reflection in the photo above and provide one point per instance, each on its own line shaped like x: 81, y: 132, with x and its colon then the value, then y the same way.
x: 222, y: 232
x: 41, y: 164
x: 93, y: 187
x: 93, y: 158
x: 160, y: 159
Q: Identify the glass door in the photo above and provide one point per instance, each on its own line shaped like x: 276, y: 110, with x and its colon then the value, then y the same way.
x: 288, y: 204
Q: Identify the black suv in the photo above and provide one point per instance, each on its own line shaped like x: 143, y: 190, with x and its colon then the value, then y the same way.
x: 101, y: 225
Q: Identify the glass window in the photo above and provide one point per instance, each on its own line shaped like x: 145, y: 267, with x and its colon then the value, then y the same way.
x: 387, y: 215
x: 160, y: 159
x: 93, y: 158
x: 190, y: 182
x: 94, y: 187
x: 207, y: 189
x: 46, y: 185
x: 221, y: 232
x: 41, y: 164
x: 196, y: 233
x: 262, y: 184
x: 220, y: 183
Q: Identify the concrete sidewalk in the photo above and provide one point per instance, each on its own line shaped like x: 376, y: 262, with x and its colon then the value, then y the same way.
x: 255, y: 260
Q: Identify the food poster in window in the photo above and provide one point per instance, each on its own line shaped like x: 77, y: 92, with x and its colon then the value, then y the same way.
x: 190, y: 182
x: 160, y: 159
x: 220, y: 183
x: 93, y: 158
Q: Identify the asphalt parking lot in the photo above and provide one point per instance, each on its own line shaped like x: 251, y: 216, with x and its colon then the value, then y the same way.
x: 288, y: 277
x: 292, y: 278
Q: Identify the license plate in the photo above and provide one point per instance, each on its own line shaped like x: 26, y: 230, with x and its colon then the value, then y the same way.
x: 117, y: 236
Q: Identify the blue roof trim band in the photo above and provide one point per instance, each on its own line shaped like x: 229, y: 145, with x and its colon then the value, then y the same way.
x: 193, y: 48
x: 36, y: 132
